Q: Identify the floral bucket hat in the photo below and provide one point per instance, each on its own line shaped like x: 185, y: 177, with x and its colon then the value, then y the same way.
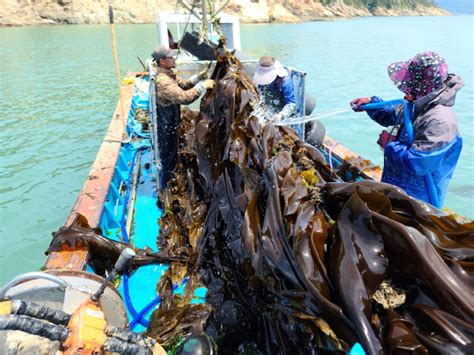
x: 420, y: 75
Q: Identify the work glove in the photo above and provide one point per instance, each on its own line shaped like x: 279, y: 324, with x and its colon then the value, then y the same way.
x: 277, y: 118
x: 204, y: 85
x: 199, y: 76
x: 208, y: 84
x: 387, y: 136
x: 203, y: 74
x: 357, y: 103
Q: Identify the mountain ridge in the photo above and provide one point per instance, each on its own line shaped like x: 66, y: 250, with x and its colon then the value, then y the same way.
x: 46, y: 12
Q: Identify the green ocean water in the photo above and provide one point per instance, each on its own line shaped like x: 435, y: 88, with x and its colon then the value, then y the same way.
x: 58, y: 92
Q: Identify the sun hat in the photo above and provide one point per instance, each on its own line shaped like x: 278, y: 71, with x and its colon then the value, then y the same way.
x: 163, y: 52
x: 267, y: 70
x: 420, y: 75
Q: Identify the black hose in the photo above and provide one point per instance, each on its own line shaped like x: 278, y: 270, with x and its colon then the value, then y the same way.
x: 58, y: 317
x: 130, y: 337
x: 115, y: 345
x: 34, y: 326
x: 36, y: 310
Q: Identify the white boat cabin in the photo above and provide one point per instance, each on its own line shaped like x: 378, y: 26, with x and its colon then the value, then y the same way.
x: 172, y: 26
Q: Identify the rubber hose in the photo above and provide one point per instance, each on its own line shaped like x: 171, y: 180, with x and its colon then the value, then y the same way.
x: 38, y: 311
x: 139, y: 317
x: 129, y: 337
x: 34, y: 326
x: 115, y: 345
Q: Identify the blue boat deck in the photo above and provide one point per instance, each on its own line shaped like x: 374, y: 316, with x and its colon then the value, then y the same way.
x: 132, y: 194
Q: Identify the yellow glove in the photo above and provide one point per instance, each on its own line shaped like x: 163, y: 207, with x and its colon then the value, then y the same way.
x: 203, y: 74
x: 208, y: 84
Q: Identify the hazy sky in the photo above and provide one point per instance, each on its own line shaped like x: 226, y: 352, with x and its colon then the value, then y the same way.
x: 457, y: 6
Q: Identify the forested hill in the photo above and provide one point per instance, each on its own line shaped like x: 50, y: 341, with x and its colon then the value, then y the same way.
x: 37, y: 12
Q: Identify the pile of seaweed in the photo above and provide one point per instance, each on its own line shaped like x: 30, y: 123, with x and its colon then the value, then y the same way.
x: 296, y: 260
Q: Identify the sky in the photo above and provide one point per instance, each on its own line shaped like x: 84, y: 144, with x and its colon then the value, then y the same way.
x: 457, y: 6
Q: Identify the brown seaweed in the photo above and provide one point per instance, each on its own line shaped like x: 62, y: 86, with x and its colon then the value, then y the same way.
x: 103, y: 252
x: 292, y: 255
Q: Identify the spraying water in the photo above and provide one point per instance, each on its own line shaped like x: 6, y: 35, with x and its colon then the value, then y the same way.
x: 304, y: 119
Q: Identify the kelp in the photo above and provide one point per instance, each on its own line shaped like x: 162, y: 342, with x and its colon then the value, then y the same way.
x: 291, y: 254
x: 104, y: 252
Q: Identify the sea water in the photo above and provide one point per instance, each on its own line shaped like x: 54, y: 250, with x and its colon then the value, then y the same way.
x: 58, y: 93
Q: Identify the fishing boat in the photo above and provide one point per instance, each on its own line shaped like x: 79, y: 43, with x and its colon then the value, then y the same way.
x: 98, y: 286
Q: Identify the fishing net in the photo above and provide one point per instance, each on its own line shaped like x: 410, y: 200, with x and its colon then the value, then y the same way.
x: 296, y: 260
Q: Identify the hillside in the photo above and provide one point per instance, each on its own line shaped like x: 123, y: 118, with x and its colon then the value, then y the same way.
x: 40, y: 12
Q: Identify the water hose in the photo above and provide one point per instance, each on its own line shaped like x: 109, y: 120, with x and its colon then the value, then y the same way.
x: 316, y: 116
x: 138, y: 318
x: 408, y: 123
x: 149, y: 306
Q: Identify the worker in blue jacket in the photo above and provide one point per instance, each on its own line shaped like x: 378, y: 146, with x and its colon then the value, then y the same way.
x: 276, y: 88
x: 437, y: 143
x: 277, y: 91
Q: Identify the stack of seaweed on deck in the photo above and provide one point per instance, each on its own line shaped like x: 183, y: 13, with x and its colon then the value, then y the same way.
x: 296, y: 260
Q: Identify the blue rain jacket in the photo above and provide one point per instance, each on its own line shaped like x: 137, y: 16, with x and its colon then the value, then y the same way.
x: 436, y: 147
x: 279, y: 95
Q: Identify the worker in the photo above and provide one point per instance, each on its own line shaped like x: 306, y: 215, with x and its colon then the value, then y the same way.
x: 171, y: 92
x: 437, y: 144
x: 276, y: 88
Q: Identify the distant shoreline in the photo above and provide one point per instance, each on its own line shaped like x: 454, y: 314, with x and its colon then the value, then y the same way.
x: 241, y: 22
x: 45, y: 13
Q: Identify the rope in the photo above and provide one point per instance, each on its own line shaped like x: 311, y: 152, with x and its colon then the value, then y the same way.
x: 330, y: 154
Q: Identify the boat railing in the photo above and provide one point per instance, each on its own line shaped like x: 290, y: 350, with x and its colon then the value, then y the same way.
x: 299, y: 83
